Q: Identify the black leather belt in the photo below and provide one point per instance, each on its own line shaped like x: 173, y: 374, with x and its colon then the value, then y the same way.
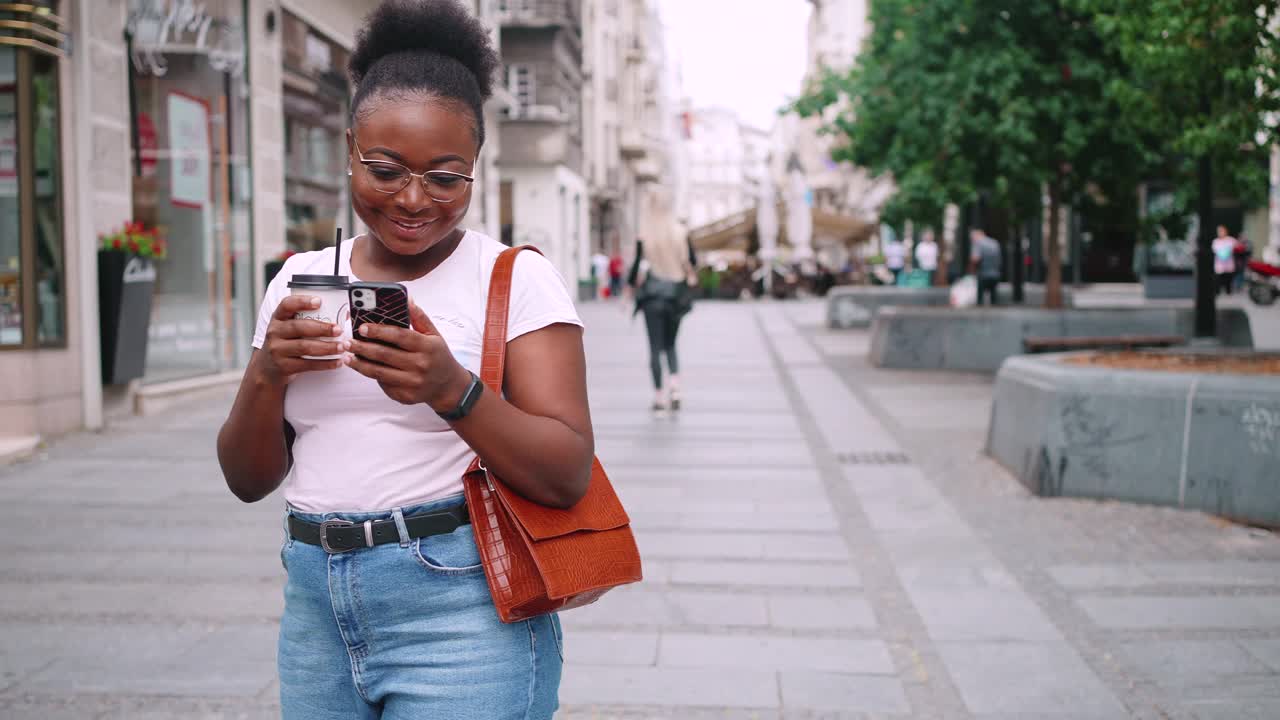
x: 338, y: 536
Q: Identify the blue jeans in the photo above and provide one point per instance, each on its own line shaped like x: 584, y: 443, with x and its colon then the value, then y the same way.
x: 408, y: 631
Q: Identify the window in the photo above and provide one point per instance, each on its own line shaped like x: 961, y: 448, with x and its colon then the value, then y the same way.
x: 32, y: 262
x: 520, y: 83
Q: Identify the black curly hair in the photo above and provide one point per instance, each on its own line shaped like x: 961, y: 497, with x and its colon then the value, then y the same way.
x: 424, y: 48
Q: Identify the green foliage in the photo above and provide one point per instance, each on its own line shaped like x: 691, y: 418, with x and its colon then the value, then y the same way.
x: 961, y: 97
x: 1205, y: 78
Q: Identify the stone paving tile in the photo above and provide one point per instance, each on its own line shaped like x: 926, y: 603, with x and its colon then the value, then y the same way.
x: 132, y: 599
x: 586, y: 647
x: 841, y: 692
x: 690, y: 544
x: 819, y: 612
x: 728, y: 687
x: 770, y: 574
x: 1027, y: 678
x: 775, y: 653
x: 1175, y: 663
x: 981, y: 614
x: 1222, y: 574
x: 1268, y: 651
x: 1163, y: 611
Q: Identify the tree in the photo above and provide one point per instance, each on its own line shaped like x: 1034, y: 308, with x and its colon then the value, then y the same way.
x: 1204, y: 80
x: 960, y: 97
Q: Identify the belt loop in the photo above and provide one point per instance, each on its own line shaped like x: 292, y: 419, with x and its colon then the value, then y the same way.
x: 398, y: 515
x: 288, y: 536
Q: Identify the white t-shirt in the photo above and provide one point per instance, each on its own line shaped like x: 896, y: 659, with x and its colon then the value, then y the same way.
x: 895, y: 255
x: 927, y: 255
x: 358, y: 450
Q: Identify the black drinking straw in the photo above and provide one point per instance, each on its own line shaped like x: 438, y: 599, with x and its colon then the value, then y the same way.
x: 337, y: 248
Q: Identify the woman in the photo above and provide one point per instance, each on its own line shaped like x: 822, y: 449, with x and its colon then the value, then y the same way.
x: 387, y: 611
x: 661, y: 277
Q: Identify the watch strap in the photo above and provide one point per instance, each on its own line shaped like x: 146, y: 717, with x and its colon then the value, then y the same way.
x: 468, y: 401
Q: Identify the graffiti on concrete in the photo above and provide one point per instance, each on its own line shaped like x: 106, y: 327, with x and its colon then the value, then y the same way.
x: 1262, y: 425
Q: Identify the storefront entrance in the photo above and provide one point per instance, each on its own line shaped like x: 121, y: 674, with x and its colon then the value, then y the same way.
x: 191, y: 179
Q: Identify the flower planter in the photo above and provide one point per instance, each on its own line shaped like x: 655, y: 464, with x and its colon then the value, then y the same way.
x: 126, y: 284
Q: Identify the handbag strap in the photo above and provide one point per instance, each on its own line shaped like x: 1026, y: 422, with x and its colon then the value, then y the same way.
x: 493, y: 356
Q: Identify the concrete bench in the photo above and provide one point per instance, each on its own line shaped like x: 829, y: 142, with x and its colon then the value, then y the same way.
x: 856, y: 306
x: 979, y: 339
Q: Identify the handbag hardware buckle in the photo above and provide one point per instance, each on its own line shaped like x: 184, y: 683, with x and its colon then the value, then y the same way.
x: 324, y: 534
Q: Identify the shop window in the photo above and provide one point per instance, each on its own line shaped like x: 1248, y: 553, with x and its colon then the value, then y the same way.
x: 32, y: 260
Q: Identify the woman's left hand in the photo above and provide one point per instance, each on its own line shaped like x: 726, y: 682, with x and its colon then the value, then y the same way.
x: 417, y: 367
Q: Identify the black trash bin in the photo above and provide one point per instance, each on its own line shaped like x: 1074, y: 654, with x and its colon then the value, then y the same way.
x: 126, y: 284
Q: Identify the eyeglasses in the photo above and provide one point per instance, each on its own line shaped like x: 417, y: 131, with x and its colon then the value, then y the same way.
x: 390, y: 178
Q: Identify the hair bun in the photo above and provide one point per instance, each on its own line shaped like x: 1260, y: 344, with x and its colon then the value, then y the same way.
x: 445, y: 27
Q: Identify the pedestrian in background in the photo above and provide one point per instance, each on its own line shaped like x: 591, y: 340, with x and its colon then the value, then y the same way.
x: 1242, y: 255
x: 1224, y: 260
x: 387, y: 611
x: 927, y: 254
x: 985, y: 261
x: 895, y: 258
x: 662, y: 277
x: 615, y: 274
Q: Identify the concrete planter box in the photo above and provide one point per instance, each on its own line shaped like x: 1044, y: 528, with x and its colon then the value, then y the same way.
x: 1169, y: 285
x: 980, y: 339
x: 856, y: 306
x: 1199, y: 441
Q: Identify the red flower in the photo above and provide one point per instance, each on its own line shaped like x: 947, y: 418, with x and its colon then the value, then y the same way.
x: 115, y: 243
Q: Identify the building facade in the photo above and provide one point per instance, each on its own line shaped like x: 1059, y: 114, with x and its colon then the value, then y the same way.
x: 218, y: 123
x: 543, y: 195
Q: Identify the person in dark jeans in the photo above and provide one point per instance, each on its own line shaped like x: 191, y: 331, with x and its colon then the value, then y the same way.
x: 985, y: 261
x: 660, y: 282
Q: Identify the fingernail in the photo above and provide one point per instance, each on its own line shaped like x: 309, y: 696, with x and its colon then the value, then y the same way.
x: 337, y: 330
x: 346, y: 345
x: 364, y: 330
x: 315, y: 302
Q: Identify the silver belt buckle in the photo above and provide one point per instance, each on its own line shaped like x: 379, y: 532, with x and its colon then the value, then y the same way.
x: 324, y: 534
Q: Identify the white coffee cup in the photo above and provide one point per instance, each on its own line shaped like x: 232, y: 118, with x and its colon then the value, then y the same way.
x: 332, y: 291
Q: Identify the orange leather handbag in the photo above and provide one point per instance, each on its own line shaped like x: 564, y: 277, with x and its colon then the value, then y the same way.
x: 539, y: 559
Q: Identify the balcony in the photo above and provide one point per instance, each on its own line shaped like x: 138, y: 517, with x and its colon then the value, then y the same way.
x: 633, y: 145
x: 539, y: 14
x: 646, y: 170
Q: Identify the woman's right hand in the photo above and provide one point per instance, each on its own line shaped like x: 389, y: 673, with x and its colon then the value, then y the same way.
x: 289, y: 338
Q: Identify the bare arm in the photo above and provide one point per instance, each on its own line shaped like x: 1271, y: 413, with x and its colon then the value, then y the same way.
x: 254, y: 443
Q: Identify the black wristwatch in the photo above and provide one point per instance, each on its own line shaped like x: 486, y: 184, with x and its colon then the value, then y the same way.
x: 467, y: 402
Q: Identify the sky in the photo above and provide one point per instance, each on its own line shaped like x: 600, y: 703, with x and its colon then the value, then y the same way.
x: 747, y: 55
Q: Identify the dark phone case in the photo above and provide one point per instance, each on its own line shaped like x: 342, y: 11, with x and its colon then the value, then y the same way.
x: 392, y: 309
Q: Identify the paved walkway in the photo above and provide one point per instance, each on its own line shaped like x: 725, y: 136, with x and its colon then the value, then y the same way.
x: 822, y: 539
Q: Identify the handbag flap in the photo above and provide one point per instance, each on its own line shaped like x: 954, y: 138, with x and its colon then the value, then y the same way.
x: 598, y: 510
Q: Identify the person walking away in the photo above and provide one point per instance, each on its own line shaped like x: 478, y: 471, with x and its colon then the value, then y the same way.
x: 927, y: 255
x: 985, y: 261
x: 895, y: 258
x: 600, y: 274
x: 387, y: 611
x: 662, y: 277
x: 1224, y: 260
x: 615, y: 274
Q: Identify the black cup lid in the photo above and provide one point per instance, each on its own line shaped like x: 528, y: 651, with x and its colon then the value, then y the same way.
x: 318, y: 281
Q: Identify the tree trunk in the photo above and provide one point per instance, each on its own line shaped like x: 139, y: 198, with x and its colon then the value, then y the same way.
x: 1206, y: 286
x: 1053, y: 280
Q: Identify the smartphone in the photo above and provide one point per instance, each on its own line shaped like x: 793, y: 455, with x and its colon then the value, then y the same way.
x: 378, y: 303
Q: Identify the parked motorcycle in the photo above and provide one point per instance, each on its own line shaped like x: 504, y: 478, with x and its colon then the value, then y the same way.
x: 1263, y: 281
